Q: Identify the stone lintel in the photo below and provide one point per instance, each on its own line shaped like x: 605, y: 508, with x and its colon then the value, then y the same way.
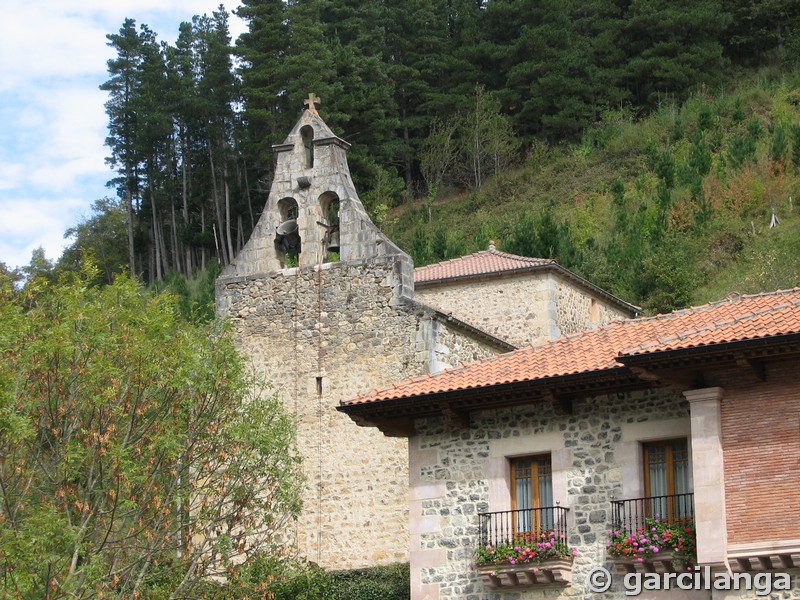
x: 337, y: 141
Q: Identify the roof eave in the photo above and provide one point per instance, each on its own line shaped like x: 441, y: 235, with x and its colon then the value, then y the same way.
x: 709, y: 351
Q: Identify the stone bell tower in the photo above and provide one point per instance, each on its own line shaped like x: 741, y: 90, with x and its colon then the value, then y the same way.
x: 313, y: 211
x: 324, y: 320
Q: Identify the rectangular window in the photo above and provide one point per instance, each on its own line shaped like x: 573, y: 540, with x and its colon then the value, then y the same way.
x: 532, y: 493
x: 667, y: 478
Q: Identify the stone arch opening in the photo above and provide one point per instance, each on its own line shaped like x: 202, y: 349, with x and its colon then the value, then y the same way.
x: 329, y: 209
x: 287, y: 233
x: 307, y: 135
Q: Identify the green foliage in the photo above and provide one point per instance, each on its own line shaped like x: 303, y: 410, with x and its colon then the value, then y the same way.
x: 796, y: 145
x: 141, y: 459
x: 606, y: 210
x: 779, y: 146
x: 195, y: 295
x: 386, y: 193
x: 278, y: 578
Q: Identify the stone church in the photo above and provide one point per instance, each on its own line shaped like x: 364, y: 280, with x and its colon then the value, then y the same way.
x: 327, y: 307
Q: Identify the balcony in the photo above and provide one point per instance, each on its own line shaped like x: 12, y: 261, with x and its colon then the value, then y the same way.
x: 655, y: 534
x: 524, y: 548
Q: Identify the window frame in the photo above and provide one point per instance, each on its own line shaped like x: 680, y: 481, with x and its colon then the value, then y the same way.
x: 537, y: 461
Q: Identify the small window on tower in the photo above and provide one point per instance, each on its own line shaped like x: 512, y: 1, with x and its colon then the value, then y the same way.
x: 307, y: 134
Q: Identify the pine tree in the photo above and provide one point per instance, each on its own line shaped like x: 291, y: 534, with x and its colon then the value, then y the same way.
x: 262, y: 49
x: 123, y: 87
x: 673, y: 46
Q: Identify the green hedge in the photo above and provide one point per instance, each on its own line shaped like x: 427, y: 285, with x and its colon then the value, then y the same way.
x: 283, y: 579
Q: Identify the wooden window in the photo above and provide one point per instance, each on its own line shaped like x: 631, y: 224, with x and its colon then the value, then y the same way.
x: 667, y: 478
x: 531, y: 489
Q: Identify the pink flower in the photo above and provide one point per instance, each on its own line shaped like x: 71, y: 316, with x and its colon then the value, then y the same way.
x: 574, y: 552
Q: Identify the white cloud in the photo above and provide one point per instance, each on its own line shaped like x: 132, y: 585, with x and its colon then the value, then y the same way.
x: 30, y: 223
x: 53, y: 57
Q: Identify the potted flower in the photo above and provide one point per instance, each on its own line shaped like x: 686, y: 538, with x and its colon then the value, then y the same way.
x: 673, y: 544
x: 530, y: 559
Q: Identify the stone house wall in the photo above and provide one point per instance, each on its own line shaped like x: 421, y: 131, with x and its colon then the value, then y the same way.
x: 576, y: 309
x: 322, y: 335
x: 595, y: 453
x: 523, y: 308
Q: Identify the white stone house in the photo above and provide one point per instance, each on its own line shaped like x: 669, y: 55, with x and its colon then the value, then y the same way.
x: 691, y: 418
x: 327, y: 307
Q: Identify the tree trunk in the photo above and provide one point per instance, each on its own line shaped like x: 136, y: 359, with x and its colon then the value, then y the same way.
x: 185, y: 198
x: 129, y: 208
x: 156, y: 247
x: 220, y: 244
x: 226, y: 185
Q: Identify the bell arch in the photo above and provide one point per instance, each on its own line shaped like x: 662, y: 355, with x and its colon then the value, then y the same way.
x: 329, y: 209
x: 287, y: 234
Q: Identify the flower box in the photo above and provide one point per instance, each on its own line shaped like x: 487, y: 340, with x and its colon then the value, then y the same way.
x: 551, y: 572
x: 663, y: 562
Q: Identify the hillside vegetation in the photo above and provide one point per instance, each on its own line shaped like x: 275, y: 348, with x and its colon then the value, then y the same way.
x: 191, y: 124
x: 684, y: 206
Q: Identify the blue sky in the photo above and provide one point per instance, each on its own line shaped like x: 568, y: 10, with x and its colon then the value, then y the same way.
x: 53, y: 57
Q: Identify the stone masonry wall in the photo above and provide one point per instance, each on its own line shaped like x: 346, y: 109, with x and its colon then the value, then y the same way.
x: 456, y: 474
x: 322, y: 336
x: 523, y: 309
x: 516, y: 309
x: 577, y: 309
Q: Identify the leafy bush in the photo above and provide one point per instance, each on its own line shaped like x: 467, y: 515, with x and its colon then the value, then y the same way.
x: 268, y: 576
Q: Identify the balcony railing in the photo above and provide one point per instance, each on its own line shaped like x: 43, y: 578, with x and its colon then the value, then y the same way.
x: 513, y: 526
x: 631, y: 515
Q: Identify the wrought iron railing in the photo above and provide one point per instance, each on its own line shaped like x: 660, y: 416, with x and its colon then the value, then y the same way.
x: 632, y: 515
x: 513, y: 526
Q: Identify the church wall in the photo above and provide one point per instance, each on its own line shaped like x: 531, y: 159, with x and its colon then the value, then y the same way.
x: 345, y: 325
x: 577, y: 310
x: 524, y: 308
x: 516, y: 309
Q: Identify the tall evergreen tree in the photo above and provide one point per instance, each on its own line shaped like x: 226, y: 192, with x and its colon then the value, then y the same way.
x: 154, y: 147
x: 673, y: 46
x: 217, y: 92
x: 261, y: 50
x: 365, y: 111
x: 123, y: 87
x: 758, y: 28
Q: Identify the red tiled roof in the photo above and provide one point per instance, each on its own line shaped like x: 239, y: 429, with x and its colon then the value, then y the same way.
x: 481, y: 263
x: 736, y: 318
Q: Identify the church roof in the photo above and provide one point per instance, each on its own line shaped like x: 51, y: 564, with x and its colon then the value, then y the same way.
x: 486, y: 262
x: 738, y: 319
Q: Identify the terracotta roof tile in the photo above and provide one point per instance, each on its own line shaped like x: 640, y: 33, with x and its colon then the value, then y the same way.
x: 736, y: 318
x: 481, y: 263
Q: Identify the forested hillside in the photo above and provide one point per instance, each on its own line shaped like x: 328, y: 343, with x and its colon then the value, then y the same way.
x: 495, y: 104
x: 681, y: 207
